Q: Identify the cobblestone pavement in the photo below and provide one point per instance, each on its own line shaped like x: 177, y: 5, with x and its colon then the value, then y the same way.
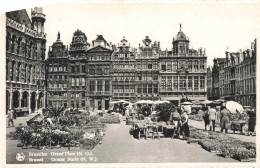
x: 118, y: 146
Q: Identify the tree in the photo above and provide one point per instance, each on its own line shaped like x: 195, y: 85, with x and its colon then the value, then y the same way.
x: 165, y: 111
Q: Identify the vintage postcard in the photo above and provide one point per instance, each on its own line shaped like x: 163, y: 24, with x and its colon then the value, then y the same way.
x: 141, y: 84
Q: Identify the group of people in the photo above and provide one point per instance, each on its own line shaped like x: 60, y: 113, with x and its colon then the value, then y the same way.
x: 211, y: 114
x: 180, y: 119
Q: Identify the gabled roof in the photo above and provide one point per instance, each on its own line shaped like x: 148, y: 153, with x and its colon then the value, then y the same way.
x: 20, y: 16
x: 98, y: 48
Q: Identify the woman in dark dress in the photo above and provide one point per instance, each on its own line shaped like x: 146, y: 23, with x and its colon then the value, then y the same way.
x: 251, y: 121
x: 206, y: 117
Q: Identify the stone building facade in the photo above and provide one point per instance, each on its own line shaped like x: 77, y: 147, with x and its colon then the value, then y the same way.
x: 147, y: 73
x: 236, y: 76
x: 99, y: 76
x: 123, y: 69
x: 57, y: 74
x: 25, y: 60
x: 80, y: 77
x: 182, y: 71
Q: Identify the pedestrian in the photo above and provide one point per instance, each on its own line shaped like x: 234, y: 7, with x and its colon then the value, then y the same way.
x: 205, y: 117
x: 14, y: 114
x: 251, y: 121
x: 212, y: 117
x: 224, y: 115
x: 10, y: 116
x: 176, y: 121
x: 184, y: 127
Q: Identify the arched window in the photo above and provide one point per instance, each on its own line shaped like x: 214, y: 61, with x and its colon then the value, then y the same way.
x: 8, y: 36
x: 18, y: 72
x: 13, y: 43
x: 7, y: 69
x: 12, y: 71
x: 25, y: 73
x: 19, y: 45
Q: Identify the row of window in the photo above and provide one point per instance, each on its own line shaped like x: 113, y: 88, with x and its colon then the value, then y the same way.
x: 59, y: 68
x: 182, y: 82
x: 99, y: 58
x: 123, y: 89
x: 150, y: 88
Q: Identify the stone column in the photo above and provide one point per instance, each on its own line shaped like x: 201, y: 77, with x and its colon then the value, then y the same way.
x: 29, y: 102
x: 11, y: 100
x: 178, y: 82
x: 87, y: 103
x: 110, y: 87
x: 43, y: 99
x: 103, y: 104
x: 36, y: 102
x: 20, y: 98
x: 95, y: 104
x: 103, y: 86
x: 192, y: 78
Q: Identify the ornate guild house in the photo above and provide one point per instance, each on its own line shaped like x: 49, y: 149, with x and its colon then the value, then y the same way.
x: 88, y: 75
x: 25, y: 60
x: 182, y: 71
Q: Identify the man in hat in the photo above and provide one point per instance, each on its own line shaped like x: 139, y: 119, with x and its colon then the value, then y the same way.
x: 212, y: 116
x: 184, y: 127
x: 224, y: 118
x: 10, y: 116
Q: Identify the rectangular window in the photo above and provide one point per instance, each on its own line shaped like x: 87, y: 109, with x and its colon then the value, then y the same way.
x: 196, y: 82
x: 190, y: 82
x: 107, y: 86
x: 83, y: 69
x: 144, y: 88
x: 92, y: 86
x: 150, y: 88
x: 190, y: 65
x: 155, y: 88
x: 169, y: 67
x: 139, y: 88
x: 202, y: 65
x: 202, y: 82
x: 72, y: 69
x: 169, y: 83
x: 182, y: 82
x: 163, y: 84
x: 150, y: 66
x: 175, y: 82
x: 163, y: 67
x: 196, y: 66
x: 99, y: 85
x: 91, y: 70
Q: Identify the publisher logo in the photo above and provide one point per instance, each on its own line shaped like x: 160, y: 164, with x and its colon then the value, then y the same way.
x: 20, y: 157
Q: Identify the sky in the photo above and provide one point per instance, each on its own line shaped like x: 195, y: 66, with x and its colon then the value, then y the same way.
x: 213, y: 26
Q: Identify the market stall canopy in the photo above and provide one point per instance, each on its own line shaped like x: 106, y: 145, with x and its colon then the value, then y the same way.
x: 196, y: 102
x: 186, y: 103
x: 123, y: 101
x: 144, y: 102
x: 220, y: 100
x: 161, y: 101
x: 206, y: 102
x: 233, y: 107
